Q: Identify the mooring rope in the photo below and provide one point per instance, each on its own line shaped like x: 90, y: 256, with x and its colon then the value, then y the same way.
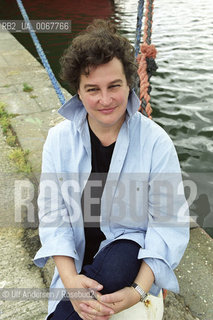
x: 146, y: 58
x: 41, y: 53
x: 139, y: 26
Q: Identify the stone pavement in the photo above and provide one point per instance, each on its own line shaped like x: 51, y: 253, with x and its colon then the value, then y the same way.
x: 35, y: 113
x: 16, y: 267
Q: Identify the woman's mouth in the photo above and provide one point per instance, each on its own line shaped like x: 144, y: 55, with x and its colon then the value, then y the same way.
x: 107, y: 110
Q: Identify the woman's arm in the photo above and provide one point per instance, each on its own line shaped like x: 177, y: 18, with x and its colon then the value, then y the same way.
x: 66, y: 268
x: 55, y: 229
x: 145, y: 277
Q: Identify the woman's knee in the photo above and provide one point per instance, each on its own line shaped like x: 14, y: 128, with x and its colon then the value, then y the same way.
x: 118, y: 266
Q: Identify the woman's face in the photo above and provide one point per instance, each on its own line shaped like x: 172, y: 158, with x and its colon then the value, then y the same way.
x: 104, y: 94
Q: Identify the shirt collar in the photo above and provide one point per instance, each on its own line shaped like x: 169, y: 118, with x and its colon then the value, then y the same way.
x: 74, y: 110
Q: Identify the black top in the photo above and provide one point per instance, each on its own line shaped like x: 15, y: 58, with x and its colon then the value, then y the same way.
x: 101, y: 158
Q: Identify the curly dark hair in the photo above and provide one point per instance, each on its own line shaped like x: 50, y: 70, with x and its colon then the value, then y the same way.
x: 97, y: 45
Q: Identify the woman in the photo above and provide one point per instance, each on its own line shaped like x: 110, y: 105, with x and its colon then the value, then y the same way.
x: 111, y: 192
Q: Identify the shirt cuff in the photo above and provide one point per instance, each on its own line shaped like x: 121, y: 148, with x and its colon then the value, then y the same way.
x: 165, y: 277
x: 47, y: 251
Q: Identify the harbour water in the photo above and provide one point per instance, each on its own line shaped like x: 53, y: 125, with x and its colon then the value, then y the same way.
x: 181, y: 97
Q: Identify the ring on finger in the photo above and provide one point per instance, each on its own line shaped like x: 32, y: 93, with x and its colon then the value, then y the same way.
x: 97, y: 309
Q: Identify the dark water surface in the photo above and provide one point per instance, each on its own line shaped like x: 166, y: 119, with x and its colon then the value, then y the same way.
x: 182, y: 95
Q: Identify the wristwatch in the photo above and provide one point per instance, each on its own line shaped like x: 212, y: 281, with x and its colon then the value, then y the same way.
x: 142, y: 293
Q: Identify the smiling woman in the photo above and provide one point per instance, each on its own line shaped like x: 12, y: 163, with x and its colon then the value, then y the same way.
x: 104, y: 94
x: 116, y: 226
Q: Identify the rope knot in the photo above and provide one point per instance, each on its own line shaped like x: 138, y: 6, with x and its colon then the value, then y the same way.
x: 146, y: 60
x: 146, y: 67
x: 149, y: 51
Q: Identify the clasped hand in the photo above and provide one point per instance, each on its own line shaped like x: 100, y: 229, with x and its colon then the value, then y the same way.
x: 105, y: 305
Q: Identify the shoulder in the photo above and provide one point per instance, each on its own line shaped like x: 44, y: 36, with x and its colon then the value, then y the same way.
x: 155, y: 143
x: 61, y: 127
x: 64, y: 129
x: 148, y: 130
x: 60, y: 135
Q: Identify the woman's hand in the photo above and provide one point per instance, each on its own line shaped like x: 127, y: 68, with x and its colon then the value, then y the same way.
x: 89, y: 309
x: 121, y: 299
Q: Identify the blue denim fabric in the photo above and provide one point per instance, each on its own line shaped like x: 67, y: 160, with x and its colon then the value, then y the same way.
x: 115, y: 267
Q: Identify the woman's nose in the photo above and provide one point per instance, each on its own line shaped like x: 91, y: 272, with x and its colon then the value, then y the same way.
x: 105, y: 99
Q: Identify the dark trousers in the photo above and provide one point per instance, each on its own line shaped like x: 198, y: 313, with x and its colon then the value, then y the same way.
x: 115, y: 267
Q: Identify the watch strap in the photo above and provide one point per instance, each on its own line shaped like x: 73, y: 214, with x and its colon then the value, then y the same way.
x: 140, y: 290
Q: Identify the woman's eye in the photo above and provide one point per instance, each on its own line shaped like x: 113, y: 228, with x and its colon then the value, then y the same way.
x: 115, y: 86
x: 92, y: 89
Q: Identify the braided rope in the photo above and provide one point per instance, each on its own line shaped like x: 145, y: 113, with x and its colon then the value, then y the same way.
x: 146, y: 60
x: 41, y: 53
x: 148, y: 22
x: 139, y: 26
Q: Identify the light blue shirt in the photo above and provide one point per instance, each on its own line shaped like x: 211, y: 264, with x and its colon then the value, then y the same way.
x: 143, y: 198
